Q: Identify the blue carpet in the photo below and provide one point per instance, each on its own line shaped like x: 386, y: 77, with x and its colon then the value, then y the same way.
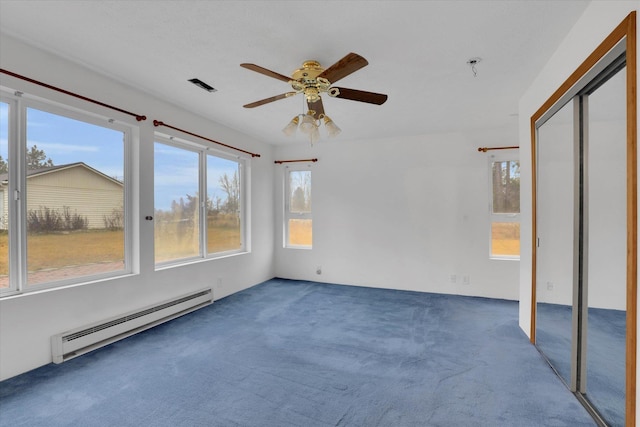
x: 606, y: 342
x: 553, y: 336
x: 290, y: 353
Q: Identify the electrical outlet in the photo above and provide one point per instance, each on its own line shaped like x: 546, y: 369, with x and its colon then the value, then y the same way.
x: 219, y: 283
x: 453, y: 278
x: 466, y: 280
x: 549, y: 286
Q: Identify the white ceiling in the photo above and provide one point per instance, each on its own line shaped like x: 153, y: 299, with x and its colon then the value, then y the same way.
x: 417, y: 53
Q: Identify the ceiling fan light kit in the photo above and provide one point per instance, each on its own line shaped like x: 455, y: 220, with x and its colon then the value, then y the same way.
x: 332, y: 129
x: 290, y: 129
x: 312, y: 80
x: 308, y: 122
x: 309, y: 125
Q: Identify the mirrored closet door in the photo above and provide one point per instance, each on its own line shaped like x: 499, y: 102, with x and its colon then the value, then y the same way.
x: 581, y: 181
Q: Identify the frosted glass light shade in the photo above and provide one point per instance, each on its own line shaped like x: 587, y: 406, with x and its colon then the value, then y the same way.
x: 307, y: 124
x: 332, y: 129
x: 290, y: 129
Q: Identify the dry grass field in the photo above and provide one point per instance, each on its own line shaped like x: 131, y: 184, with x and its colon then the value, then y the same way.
x: 56, y: 250
x: 49, y: 252
x: 171, y: 244
x: 300, y: 232
x: 505, y: 238
x: 4, y: 253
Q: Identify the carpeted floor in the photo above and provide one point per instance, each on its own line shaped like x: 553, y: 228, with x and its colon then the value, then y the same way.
x: 290, y: 353
x: 606, y: 340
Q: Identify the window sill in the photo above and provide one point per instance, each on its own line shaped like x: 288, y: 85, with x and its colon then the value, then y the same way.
x: 53, y: 287
x: 504, y: 258
x: 192, y: 261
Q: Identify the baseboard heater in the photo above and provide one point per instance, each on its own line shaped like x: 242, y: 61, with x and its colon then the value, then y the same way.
x: 82, y: 340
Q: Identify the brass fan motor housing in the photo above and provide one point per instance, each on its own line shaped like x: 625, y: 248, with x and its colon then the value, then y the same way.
x: 306, y: 80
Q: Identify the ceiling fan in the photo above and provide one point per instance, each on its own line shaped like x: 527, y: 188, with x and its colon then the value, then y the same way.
x: 312, y: 80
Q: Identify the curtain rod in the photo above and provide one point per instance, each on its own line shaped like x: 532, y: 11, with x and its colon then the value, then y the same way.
x: 279, y: 162
x: 485, y: 149
x: 66, y: 92
x: 159, y: 123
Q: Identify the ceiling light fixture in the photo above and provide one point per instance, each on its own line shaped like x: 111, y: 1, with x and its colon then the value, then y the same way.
x: 309, y: 125
x: 312, y: 80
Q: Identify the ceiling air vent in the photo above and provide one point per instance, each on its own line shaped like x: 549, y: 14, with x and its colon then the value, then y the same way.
x: 203, y: 85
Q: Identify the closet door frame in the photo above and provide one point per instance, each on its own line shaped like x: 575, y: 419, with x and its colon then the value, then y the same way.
x: 622, y: 39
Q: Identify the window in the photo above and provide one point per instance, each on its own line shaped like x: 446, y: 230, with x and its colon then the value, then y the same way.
x: 69, y: 206
x: 177, y: 214
x: 4, y: 196
x: 505, y: 209
x: 298, y: 222
x: 224, y: 231
x: 187, y: 228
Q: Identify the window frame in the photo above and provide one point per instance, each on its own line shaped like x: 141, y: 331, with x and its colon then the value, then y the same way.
x: 288, y: 215
x: 19, y: 103
x: 203, y: 151
x: 242, y: 201
x: 508, y: 156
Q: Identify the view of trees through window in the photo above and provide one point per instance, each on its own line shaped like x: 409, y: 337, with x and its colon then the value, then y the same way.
x: 177, y: 200
x: 177, y: 217
x: 223, y: 205
x: 299, y: 222
x: 505, y: 223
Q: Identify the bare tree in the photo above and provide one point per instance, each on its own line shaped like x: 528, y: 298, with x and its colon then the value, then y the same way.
x: 231, y: 186
x: 300, y: 187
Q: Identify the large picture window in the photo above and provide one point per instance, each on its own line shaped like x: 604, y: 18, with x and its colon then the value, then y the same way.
x: 64, y: 191
x: 298, y: 220
x: 187, y: 227
x: 505, y: 209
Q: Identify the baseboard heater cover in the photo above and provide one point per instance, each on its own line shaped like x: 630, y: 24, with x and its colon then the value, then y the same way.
x: 90, y: 337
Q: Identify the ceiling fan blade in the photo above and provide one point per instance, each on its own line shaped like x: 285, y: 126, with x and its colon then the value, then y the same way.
x: 361, y: 95
x: 347, y: 65
x: 317, y: 107
x: 262, y: 70
x: 268, y: 100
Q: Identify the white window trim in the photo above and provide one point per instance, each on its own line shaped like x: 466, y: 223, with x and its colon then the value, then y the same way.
x: 507, y: 155
x: 19, y: 102
x: 287, y: 215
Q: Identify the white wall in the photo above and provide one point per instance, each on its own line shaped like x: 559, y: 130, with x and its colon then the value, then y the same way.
x: 597, y: 22
x: 402, y: 213
x: 27, y: 322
